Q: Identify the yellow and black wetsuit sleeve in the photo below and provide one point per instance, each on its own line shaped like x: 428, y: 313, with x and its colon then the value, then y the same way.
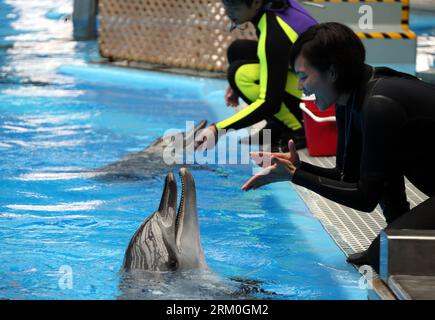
x: 274, y: 46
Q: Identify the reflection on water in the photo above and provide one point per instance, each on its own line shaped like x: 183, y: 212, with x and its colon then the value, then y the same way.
x: 38, y: 40
x: 77, y: 206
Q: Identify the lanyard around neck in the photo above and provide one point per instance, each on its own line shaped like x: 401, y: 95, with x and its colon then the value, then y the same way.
x: 348, y: 125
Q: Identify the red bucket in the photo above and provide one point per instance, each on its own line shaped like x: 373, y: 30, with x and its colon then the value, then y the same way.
x: 320, y: 129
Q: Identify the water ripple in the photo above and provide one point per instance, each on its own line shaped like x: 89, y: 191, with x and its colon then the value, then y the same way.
x: 73, y: 206
x: 50, y: 176
x: 32, y: 216
x: 42, y: 92
x: 47, y: 144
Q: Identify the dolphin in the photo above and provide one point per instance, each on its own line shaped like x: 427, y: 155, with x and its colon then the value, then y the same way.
x: 165, y: 259
x: 146, y: 164
x: 149, y: 162
x: 169, y: 240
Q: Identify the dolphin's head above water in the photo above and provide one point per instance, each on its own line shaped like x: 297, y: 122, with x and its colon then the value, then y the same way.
x: 186, y: 138
x: 169, y: 240
x: 151, y: 161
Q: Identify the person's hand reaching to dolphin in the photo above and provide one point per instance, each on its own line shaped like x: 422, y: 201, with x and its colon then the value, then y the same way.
x: 207, y: 138
x: 231, y: 98
x: 277, y: 167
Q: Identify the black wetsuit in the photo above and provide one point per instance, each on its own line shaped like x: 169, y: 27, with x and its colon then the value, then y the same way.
x: 385, y: 133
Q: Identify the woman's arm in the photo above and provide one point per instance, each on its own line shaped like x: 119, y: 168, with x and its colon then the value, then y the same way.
x: 382, y: 121
x: 363, y: 195
x: 330, y: 173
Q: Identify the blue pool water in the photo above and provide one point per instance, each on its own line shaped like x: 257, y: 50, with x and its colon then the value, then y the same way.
x: 61, y: 118
x: 54, y: 216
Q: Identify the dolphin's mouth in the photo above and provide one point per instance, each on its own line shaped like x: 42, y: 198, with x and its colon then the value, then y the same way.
x: 169, y: 239
x: 181, y: 208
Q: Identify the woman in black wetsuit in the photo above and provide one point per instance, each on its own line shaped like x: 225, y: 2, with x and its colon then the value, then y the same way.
x: 386, y: 127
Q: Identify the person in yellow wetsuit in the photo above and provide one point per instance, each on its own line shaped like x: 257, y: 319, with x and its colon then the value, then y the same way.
x: 259, y: 71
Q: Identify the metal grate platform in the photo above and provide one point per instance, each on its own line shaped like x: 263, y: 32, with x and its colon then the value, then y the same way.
x: 351, y: 229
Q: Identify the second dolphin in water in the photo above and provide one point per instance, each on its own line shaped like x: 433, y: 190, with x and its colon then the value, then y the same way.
x: 150, y: 162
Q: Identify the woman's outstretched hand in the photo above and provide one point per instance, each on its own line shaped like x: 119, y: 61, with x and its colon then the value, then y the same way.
x: 263, y: 159
x: 276, y: 167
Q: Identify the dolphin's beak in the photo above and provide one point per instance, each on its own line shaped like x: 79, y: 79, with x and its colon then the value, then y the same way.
x: 188, y: 238
x: 168, y: 203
